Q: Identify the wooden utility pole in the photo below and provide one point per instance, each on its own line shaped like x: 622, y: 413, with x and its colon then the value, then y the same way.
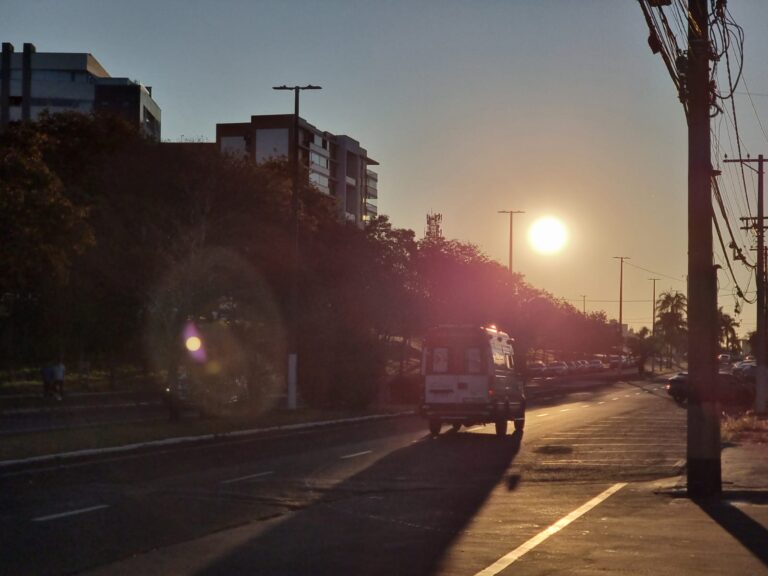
x: 758, y: 225
x: 653, y: 325
x: 511, y: 218
x: 703, y: 454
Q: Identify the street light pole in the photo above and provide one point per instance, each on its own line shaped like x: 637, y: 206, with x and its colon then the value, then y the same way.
x: 621, y: 302
x: 653, y: 324
x: 293, y: 328
x: 511, y: 216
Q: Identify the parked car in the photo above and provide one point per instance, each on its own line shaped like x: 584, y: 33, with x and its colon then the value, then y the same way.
x: 731, y: 390
x: 536, y: 368
x: 596, y: 365
x: 557, y: 368
x: 746, y: 370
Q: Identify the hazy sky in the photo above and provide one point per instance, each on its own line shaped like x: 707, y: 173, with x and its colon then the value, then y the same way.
x: 552, y: 107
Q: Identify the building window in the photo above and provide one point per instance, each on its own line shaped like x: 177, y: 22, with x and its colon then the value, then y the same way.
x: 318, y: 160
x: 318, y: 140
x: 318, y: 179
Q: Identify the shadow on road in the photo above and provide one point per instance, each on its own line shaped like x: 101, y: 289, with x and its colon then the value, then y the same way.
x: 750, y: 533
x: 397, y: 516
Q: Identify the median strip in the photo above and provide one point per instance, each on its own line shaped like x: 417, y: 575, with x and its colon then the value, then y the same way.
x: 176, y: 441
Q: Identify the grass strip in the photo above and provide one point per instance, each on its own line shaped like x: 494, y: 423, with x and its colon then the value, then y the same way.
x: 744, y: 428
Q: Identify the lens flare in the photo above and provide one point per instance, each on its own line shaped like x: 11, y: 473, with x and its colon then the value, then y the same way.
x: 193, y: 343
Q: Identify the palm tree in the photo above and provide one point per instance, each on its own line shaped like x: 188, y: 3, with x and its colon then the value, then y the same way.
x: 727, y: 330
x: 674, y: 302
x: 671, y: 321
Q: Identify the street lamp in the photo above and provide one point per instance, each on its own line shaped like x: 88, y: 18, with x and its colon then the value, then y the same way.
x: 293, y: 328
x: 621, y: 303
x: 653, y: 324
x: 511, y: 216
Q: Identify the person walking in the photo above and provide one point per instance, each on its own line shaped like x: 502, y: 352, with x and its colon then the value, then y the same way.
x: 58, y: 379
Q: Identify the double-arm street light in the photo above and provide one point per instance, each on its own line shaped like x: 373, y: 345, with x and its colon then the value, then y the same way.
x: 621, y: 302
x: 293, y: 328
x: 511, y: 216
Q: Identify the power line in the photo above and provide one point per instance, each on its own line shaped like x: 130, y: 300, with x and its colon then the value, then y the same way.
x: 654, y: 272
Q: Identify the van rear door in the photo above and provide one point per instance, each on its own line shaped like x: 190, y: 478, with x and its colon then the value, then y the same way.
x: 456, y: 375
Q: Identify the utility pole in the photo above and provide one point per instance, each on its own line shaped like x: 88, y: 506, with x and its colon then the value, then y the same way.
x: 584, y: 304
x: 653, y: 324
x: 621, y: 302
x: 703, y: 453
x: 758, y: 225
x: 511, y: 216
x: 293, y: 328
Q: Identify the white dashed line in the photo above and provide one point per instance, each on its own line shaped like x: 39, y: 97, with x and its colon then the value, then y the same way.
x: 540, y: 415
x: 356, y: 454
x: 565, y: 410
x: 505, y: 561
x: 249, y: 477
x: 70, y: 513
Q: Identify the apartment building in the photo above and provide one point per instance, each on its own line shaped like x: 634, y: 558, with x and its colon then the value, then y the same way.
x: 337, y: 165
x: 32, y: 81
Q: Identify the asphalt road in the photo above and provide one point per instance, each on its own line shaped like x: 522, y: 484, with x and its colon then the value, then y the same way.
x: 374, y: 498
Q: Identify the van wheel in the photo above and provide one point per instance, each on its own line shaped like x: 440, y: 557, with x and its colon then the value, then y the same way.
x: 520, y: 424
x: 435, y: 426
x: 501, y: 427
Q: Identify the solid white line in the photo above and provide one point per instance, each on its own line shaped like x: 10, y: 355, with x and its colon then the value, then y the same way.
x: 506, y: 560
x: 250, y: 477
x: 356, y: 454
x: 70, y: 513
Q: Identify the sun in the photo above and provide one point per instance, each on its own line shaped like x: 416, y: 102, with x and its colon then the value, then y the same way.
x: 548, y: 235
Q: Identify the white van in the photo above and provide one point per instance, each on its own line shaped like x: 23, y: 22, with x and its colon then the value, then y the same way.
x: 469, y: 378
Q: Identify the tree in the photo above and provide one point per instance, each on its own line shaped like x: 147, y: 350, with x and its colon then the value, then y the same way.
x: 727, y: 331
x: 671, y: 321
x: 643, y: 345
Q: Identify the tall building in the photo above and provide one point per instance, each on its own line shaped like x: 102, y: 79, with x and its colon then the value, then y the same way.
x: 337, y: 165
x: 33, y: 81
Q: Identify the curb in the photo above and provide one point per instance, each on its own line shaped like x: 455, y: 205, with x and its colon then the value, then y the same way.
x: 191, y: 439
x: 76, y: 408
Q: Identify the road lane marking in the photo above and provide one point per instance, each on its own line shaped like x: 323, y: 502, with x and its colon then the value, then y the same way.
x: 508, y: 559
x: 356, y: 454
x: 601, y: 402
x: 249, y: 477
x: 565, y: 410
x: 70, y: 513
x: 540, y: 415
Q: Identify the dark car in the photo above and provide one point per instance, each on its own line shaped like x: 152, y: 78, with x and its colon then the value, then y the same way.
x: 731, y: 390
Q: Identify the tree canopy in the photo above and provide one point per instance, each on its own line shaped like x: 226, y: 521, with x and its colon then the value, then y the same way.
x: 114, y: 245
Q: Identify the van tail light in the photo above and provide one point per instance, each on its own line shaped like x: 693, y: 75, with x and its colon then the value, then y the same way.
x: 490, y: 391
